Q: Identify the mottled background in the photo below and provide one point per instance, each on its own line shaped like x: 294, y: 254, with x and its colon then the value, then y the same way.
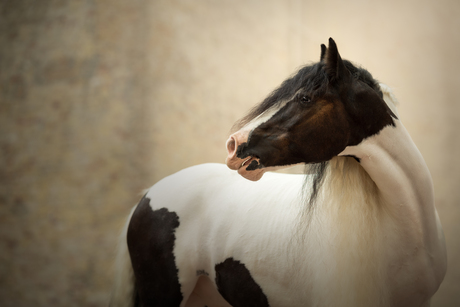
x: 100, y: 99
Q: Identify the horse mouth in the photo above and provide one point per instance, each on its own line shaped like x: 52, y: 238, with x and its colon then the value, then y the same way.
x: 247, y: 160
x: 252, y: 163
x: 250, y: 158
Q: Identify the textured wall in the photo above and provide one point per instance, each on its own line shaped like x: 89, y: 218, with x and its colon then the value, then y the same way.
x: 100, y: 99
x: 75, y: 144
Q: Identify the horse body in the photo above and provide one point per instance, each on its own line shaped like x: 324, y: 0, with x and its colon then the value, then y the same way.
x: 363, y: 232
x: 253, y: 226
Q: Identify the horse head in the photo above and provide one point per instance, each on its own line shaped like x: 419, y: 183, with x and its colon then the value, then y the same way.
x: 312, y: 117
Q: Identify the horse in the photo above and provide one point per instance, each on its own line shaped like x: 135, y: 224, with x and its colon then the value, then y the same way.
x: 358, y: 228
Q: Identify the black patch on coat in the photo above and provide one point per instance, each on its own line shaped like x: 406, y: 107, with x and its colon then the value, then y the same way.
x: 151, y: 243
x: 236, y: 285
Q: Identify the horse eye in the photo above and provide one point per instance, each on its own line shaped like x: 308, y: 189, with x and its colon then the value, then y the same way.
x: 305, y: 99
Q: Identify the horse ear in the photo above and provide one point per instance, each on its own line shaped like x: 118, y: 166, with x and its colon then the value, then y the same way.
x: 335, y: 67
x: 323, y: 52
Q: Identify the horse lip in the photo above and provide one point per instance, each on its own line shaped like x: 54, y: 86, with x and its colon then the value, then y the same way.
x: 244, y: 162
x: 249, y: 162
x: 249, y: 155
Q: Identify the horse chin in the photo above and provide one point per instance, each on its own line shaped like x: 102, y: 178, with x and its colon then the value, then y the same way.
x: 251, y: 169
x: 253, y: 175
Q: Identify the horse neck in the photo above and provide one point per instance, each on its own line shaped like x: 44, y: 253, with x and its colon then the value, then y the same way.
x: 395, y: 165
x: 402, y: 184
x: 398, y: 203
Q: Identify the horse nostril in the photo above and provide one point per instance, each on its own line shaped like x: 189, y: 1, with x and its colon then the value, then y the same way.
x: 231, y: 145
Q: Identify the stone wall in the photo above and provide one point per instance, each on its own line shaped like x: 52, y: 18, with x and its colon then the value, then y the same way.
x: 101, y: 99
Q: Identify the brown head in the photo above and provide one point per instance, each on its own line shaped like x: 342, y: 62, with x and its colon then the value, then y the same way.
x: 312, y: 117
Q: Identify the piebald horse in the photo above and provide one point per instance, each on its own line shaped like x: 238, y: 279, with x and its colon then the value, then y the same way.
x: 359, y: 228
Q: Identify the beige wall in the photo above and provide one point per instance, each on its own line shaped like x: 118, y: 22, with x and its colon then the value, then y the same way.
x: 100, y: 99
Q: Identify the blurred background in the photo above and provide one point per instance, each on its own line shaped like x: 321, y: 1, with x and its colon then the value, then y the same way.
x: 101, y: 99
